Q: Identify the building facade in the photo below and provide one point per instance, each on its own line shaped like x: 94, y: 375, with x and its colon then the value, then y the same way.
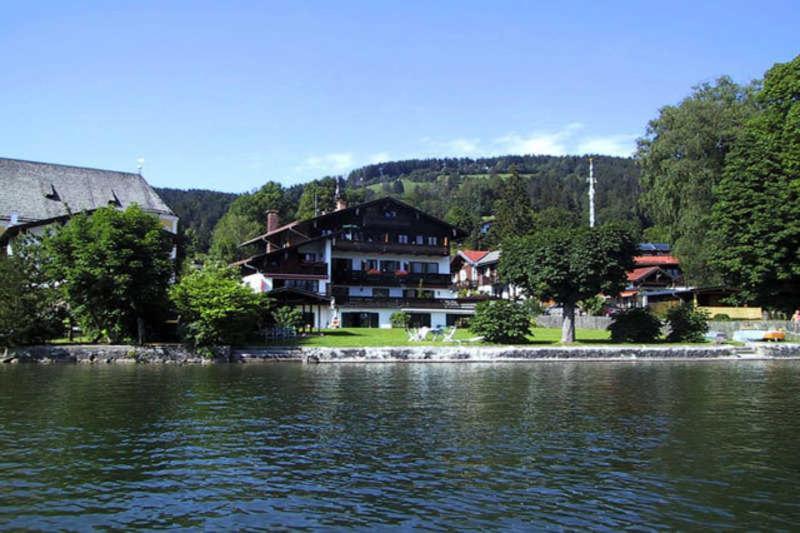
x: 358, y: 265
x: 35, y: 196
x: 476, y: 272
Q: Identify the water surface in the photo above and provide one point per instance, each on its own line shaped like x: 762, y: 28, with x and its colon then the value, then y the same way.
x: 602, y: 445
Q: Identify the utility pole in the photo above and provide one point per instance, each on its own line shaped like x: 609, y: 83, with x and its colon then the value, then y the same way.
x: 591, y: 193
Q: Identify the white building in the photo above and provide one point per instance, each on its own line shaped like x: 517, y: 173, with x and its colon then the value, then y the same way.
x: 358, y: 265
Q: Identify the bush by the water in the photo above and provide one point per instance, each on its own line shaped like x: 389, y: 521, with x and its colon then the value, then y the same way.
x: 216, y: 309
x: 687, y: 324
x: 399, y: 320
x: 501, y: 321
x: 635, y: 325
x: 288, y: 317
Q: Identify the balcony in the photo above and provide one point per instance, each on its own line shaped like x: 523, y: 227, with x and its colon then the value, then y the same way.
x: 297, y: 269
x: 376, y: 247
x: 400, y: 303
x: 390, y: 279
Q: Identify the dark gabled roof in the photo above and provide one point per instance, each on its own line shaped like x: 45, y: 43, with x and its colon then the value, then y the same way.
x: 38, y: 191
x: 459, y: 232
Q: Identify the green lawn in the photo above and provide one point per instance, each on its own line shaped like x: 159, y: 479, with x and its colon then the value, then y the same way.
x: 364, y: 337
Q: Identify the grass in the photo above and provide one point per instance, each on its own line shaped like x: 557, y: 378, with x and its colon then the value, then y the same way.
x: 371, y: 337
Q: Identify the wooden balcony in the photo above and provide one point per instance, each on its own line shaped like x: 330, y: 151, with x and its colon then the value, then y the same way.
x: 390, y: 279
x: 319, y: 270
x: 389, y: 248
x: 400, y: 303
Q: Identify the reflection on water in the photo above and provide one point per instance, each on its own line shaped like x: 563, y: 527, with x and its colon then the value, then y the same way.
x: 440, y: 445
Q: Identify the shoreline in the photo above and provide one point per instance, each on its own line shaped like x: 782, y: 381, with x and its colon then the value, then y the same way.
x: 180, y: 355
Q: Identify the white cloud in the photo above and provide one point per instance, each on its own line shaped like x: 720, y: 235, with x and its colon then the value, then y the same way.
x: 540, y: 143
x: 460, y: 147
x: 336, y: 163
x: 618, y: 145
x: 380, y: 157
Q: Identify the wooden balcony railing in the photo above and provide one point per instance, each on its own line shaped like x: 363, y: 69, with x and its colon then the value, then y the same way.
x: 411, y: 280
x: 389, y: 248
x: 303, y: 269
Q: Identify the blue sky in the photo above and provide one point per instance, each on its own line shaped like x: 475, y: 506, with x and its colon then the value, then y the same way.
x: 228, y: 95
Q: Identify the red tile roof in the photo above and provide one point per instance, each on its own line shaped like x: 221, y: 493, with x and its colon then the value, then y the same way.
x: 652, y: 260
x: 474, y: 255
x: 638, y: 273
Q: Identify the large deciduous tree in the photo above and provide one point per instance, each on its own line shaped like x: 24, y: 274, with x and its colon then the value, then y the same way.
x: 757, y: 216
x: 113, y: 268
x: 569, y: 265
x: 246, y: 218
x: 682, y: 157
x: 30, y: 310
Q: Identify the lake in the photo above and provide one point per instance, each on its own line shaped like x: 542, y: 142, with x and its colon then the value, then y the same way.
x: 505, y: 445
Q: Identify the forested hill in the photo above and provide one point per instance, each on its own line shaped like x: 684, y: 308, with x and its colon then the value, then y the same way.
x: 199, y: 211
x: 556, y: 185
x: 436, y: 185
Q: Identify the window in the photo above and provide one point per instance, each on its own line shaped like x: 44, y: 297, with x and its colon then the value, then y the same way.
x: 433, y: 241
x: 369, y: 264
x: 420, y: 240
x: 380, y: 293
x: 310, y: 285
x: 418, y: 294
x: 309, y: 258
x: 390, y: 266
x: 402, y: 239
x: 389, y: 214
x: 424, y: 268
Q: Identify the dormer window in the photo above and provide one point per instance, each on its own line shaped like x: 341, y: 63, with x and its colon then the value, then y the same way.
x: 52, y: 194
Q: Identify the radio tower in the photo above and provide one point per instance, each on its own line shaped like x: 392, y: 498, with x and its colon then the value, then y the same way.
x: 591, y: 193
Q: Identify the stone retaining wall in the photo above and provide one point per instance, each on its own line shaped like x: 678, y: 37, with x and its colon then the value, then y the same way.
x: 176, y: 354
x: 97, y: 353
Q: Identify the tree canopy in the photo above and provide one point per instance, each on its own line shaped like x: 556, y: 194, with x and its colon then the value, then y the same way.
x: 682, y: 157
x: 568, y: 265
x: 113, y: 268
x: 756, y: 219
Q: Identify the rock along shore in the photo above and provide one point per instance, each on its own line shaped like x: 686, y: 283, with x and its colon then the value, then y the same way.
x: 178, y: 354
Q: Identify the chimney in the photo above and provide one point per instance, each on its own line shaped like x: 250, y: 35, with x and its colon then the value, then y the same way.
x: 273, y: 221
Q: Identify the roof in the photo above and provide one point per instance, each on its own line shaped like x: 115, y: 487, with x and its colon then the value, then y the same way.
x: 639, y: 273
x: 473, y: 256
x: 36, y: 191
x: 458, y: 232
x: 660, y: 260
x: 490, y: 258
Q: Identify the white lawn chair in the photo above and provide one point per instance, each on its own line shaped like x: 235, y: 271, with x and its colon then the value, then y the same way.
x: 469, y: 341
x: 450, y: 335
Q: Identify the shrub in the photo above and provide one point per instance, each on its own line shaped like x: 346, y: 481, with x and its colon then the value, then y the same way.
x: 399, y: 320
x: 288, y: 317
x: 722, y: 317
x: 635, y: 325
x: 501, y: 321
x: 687, y: 324
x: 592, y: 306
x: 215, y: 308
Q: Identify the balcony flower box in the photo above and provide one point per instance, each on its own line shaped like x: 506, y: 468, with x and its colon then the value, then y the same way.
x: 373, y: 272
x: 400, y: 273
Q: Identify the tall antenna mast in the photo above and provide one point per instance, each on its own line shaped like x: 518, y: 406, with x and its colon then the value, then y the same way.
x: 591, y: 193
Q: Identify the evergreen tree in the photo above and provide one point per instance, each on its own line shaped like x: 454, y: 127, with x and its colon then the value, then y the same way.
x: 513, y: 211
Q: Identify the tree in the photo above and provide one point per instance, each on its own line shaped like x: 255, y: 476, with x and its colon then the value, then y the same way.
x: 682, y: 157
x: 513, y: 211
x: 756, y: 218
x: 30, y: 310
x: 569, y: 265
x: 245, y: 219
x: 113, y: 268
x: 318, y: 197
x: 216, y: 308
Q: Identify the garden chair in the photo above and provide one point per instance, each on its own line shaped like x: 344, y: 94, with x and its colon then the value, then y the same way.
x: 450, y: 335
